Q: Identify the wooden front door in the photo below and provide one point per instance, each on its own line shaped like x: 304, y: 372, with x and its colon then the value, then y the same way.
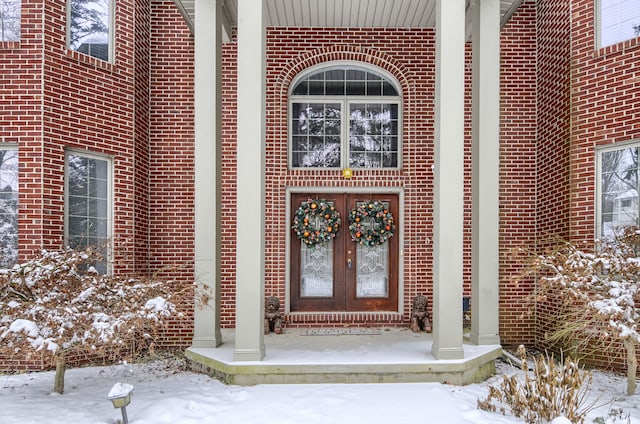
x: 343, y: 275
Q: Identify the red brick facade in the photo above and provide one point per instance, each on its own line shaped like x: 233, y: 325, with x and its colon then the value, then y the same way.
x: 560, y: 99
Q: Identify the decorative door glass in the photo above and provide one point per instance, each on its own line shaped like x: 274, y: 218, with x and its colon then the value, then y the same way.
x: 373, y: 270
x: 316, y: 269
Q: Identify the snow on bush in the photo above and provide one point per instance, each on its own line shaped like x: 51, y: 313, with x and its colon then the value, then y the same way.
x: 58, y: 304
x: 596, y: 294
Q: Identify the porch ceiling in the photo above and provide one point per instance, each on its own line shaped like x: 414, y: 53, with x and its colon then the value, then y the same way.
x: 342, y: 13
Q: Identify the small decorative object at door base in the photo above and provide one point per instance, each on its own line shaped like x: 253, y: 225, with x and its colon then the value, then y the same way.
x: 272, y: 320
x: 419, y: 315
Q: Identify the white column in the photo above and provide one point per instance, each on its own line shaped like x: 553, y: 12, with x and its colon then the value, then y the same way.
x: 207, y: 173
x: 250, y: 182
x: 485, y: 170
x: 449, y: 180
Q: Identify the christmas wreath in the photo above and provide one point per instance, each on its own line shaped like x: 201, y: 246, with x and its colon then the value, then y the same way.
x: 316, y: 222
x: 371, y: 223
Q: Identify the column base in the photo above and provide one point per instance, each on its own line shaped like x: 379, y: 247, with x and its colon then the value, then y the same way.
x: 248, y: 354
x: 447, y: 353
x: 206, y: 342
x: 484, y: 339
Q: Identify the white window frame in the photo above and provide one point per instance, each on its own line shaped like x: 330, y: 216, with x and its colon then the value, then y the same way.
x: 598, y: 183
x: 601, y: 40
x: 109, y: 198
x: 14, y: 148
x: 344, y: 101
x: 110, y: 35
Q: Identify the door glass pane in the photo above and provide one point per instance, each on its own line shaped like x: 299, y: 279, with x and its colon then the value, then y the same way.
x: 372, y: 273
x: 373, y: 270
x: 316, y: 270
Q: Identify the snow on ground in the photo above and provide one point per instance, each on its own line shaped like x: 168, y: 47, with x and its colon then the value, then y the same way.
x: 165, y: 393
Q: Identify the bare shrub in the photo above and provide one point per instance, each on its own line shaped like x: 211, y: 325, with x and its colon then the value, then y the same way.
x: 547, y: 391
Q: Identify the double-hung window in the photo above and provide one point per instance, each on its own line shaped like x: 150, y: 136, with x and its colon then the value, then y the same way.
x: 88, y: 203
x: 10, y: 14
x: 618, y: 20
x: 8, y: 206
x: 345, y: 116
x: 618, y: 186
x: 90, y: 27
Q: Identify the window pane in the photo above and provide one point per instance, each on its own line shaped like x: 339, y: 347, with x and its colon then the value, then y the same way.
x: 90, y: 27
x: 316, y: 88
x: 87, y: 203
x: 356, y: 75
x: 10, y: 14
x: 374, y: 88
x: 619, y: 187
x: 619, y: 21
x: 334, y: 88
x: 8, y: 207
x: 355, y: 88
x: 316, y: 139
x: 301, y: 89
x: 388, y: 89
x: 373, y: 130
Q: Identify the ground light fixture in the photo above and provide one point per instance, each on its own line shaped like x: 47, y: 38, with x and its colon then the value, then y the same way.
x: 120, y: 396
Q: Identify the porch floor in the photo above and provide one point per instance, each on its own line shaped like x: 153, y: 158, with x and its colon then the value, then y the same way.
x: 394, y: 355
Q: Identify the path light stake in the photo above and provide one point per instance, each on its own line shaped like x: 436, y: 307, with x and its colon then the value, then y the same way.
x: 120, y: 395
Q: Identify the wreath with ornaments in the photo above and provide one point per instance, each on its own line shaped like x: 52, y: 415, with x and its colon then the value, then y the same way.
x: 371, y: 223
x: 316, y: 222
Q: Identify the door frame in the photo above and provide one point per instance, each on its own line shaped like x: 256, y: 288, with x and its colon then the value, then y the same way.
x: 399, y: 191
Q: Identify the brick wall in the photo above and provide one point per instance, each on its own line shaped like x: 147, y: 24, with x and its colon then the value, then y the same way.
x: 21, y: 66
x: 228, y: 185
x: 588, y: 98
x: 54, y: 99
x: 142, y: 71
x: 171, y: 160
x: 604, y: 109
x: 88, y: 106
x: 518, y: 173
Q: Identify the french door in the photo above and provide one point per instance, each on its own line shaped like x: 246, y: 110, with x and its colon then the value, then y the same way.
x: 342, y: 274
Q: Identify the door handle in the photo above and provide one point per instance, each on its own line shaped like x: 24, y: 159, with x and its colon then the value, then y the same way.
x: 349, y: 263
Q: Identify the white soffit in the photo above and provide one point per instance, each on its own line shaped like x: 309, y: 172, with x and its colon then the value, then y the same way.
x: 342, y: 13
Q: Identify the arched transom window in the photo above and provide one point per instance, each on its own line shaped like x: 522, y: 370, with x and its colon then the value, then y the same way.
x: 345, y: 116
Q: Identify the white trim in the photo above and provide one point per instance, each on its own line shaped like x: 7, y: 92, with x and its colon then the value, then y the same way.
x: 399, y: 191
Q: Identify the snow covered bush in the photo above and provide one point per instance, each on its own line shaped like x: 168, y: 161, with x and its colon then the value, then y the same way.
x: 546, y: 392
x: 57, y: 305
x: 595, y: 296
